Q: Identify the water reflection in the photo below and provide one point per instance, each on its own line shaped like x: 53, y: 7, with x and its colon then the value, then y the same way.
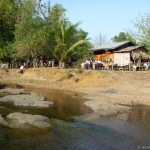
x: 66, y: 104
x: 66, y: 134
x: 140, y: 114
x: 135, y: 124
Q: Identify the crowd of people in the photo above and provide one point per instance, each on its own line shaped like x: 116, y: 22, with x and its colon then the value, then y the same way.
x: 36, y: 64
x: 95, y: 64
x: 100, y: 65
x: 87, y: 64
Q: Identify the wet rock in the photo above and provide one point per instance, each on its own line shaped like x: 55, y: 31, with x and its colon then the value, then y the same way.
x: 32, y: 100
x: 20, y: 120
x: 33, y: 103
x: 107, y: 108
x: 1, y: 118
x: 13, y: 91
x: 7, y: 98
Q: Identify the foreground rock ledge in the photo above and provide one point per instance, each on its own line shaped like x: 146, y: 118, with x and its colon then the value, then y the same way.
x: 20, y: 120
x: 19, y: 99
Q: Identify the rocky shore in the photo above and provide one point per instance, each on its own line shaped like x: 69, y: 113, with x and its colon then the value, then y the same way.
x: 108, y: 93
x: 19, y: 97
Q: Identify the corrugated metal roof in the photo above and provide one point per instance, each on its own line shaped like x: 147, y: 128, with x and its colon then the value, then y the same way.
x: 128, y: 49
x: 110, y: 46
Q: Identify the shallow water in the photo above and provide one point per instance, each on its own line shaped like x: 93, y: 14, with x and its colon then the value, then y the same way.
x: 67, y: 134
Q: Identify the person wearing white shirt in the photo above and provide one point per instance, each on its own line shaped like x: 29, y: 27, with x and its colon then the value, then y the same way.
x: 21, y: 69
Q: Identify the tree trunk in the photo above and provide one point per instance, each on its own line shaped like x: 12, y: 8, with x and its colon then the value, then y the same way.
x: 35, y: 63
x: 61, y: 64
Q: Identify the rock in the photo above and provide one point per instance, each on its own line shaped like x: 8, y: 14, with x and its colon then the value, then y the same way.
x: 71, y: 74
x: 20, y: 120
x: 32, y: 100
x: 7, y: 98
x: 106, y: 108
x: 33, y: 103
x: 13, y: 91
x: 1, y: 118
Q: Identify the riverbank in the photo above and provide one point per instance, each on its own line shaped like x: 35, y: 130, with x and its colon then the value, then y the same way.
x: 109, y: 93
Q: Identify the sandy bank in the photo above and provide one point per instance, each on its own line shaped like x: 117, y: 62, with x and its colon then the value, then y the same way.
x: 108, y: 92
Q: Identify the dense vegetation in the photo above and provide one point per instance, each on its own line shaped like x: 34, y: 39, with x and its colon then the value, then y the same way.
x: 31, y: 31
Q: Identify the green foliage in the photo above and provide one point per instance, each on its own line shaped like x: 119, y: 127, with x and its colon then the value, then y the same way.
x: 31, y: 32
x: 128, y: 36
x: 143, y: 31
x: 7, y: 21
x: 7, y: 52
x: 67, y: 40
x: 27, y: 30
x: 120, y: 38
x: 131, y: 37
x: 7, y: 26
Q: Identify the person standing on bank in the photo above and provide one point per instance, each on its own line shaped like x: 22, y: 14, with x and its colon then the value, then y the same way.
x: 21, y: 69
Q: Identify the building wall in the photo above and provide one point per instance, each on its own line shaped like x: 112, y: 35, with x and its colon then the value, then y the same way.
x: 122, y: 59
x: 102, y: 57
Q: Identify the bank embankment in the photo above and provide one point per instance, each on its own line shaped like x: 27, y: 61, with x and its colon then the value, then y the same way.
x: 108, y: 92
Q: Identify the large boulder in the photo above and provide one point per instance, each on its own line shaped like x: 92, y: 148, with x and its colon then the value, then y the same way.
x: 20, y: 120
x: 32, y: 100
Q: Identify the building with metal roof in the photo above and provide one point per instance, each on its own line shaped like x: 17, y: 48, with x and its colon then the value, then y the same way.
x: 120, y: 53
x: 113, y: 46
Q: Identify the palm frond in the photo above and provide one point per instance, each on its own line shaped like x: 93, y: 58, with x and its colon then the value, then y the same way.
x: 76, y: 45
x: 63, y: 30
x: 68, y: 32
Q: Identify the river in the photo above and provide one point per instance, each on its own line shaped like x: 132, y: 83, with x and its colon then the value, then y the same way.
x: 107, y: 133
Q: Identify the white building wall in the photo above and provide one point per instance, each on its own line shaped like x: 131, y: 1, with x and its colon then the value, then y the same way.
x: 122, y: 59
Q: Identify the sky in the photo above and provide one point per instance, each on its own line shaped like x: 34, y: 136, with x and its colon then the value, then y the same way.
x: 108, y: 17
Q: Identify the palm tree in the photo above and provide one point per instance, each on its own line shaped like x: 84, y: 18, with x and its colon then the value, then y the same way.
x: 66, y: 41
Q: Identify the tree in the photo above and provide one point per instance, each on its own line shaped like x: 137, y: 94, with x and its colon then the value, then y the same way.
x: 75, y: 57
x: 143, y: 31
x: 128, y: 36
x: 30, y: 33
x: 52, y: 22
x: 131, y: 36
x: 66, y: 41
x: 8, y: 12
x: 100, y: 40
x: 29, y: 29
x: 120, y: 38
